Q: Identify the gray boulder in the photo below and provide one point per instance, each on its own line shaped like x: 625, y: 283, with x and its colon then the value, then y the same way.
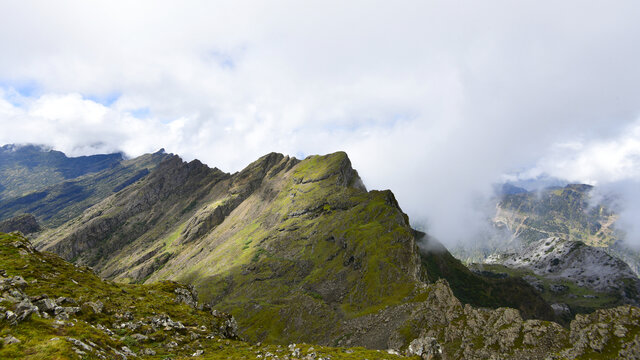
x: 426, y: 347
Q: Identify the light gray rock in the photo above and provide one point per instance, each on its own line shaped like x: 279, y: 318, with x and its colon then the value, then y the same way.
x: 561, y: 309
x: 10, y: 339
x: 95, y: 306
x: 128, y: 352
x: 426, y: 347
x: 47, y: 305
x: 79, y: 344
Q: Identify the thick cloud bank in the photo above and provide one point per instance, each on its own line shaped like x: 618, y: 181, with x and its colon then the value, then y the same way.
x: 432, y: 99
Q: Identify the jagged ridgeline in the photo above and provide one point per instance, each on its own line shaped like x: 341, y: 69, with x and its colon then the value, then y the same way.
x: 301, y: 251
x: 296, y: 250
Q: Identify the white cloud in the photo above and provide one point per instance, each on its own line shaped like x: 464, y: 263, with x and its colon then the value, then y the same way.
x: 432, y: 99
x: 597, y: 161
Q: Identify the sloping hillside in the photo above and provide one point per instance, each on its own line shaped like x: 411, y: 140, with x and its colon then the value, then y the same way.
x: 54, y: 310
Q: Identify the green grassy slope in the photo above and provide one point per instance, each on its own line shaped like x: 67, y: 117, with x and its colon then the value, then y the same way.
x: 100, y: 318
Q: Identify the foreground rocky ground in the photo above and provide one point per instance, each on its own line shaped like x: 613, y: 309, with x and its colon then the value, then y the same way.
x: 54, y: 310
x: 51, y: 309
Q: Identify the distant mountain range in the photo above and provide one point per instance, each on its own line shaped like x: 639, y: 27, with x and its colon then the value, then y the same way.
x: 28, y: 167
x: 297, y: 251
x: 562, y: 243
x: 564, y: 212
x: 55, y: 188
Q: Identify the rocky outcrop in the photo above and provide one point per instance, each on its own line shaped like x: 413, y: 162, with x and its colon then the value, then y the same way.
x: 464, y: 332
x: 425, y: 347
x: 595, y: 333
x: 439, y: 325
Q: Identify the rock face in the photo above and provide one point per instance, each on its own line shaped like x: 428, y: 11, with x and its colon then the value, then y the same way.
x: 426, y: 347
x: 25, y: 223
x: 583, y: 265
x: 464, y: 332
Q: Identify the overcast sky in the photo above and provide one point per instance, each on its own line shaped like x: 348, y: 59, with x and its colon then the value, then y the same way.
x: 435, y: 100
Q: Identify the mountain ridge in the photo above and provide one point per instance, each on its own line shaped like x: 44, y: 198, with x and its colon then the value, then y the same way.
x: 282, y: 234
x: 299, y: 250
